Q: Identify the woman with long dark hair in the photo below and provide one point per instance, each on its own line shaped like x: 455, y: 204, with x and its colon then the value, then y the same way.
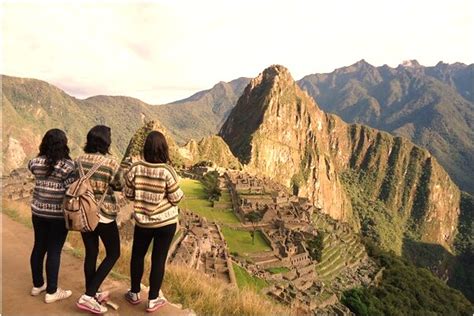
x: 105, y: 180
x: 53, y: 170
x: 152, y: 184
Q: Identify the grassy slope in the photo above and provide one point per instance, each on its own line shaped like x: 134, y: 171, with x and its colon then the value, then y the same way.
x: 197, y: 202
x: 245, y: 280
x: 240, y: 241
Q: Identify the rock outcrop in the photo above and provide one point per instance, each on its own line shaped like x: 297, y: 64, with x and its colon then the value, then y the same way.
x: 211, y: 148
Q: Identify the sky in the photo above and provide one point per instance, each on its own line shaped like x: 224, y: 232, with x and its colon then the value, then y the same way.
x: 162, y: 51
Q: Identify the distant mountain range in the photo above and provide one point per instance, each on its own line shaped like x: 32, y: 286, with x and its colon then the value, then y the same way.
x: 432, y: 106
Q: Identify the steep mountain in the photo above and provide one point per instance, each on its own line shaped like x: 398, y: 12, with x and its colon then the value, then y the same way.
x: 431, y: 106
x: 134, y: 149
x: 277, y: 130
x: 203, y: 113
x: 212, y: 148
x: 273, y: 131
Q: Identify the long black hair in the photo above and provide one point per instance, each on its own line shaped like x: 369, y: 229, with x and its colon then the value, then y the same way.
x: 54, y: 148
x: 156, y: 149
x: 98, y: 140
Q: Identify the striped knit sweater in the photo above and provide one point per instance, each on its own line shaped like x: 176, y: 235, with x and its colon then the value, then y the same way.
x: 48, y: 193
x: 108, y: 175
x: 155, y: 191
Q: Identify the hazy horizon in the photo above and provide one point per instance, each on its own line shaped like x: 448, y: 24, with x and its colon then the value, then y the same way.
x: 160, y: 52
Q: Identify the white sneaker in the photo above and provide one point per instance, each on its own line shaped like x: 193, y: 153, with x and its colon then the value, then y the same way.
x: 90, y: 304
x: 153, y: 305
x: 59, y: 295
x: 35, y: 291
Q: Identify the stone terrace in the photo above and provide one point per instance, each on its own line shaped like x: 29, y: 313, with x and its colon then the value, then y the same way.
x: 201, y: 246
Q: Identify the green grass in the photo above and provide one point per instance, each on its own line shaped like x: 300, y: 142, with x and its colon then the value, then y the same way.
x: 240, y: 241
x: 277, y: 270
x: 195, y: 200
x: 245, y: 280
x: 192, y: 188
x: 225, y: 197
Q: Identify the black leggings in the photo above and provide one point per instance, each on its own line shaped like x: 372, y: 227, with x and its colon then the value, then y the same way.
x: 50, y: 235
x: 142, y: 238
x: 109, y: 235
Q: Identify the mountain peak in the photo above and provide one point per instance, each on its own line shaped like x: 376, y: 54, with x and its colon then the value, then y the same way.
x: 362, y: 62
x: 412, y: 63
x: 273, y: 72
x: 362, y: 66
x: 276, y: 70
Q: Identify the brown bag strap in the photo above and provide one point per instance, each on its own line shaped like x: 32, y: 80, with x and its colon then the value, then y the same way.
x: 103, y: 196
x: 89, y: 174
x: 94, y: 168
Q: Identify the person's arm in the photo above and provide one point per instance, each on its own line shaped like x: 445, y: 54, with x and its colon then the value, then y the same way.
x: 31, y: 166
x: 173, y: 191
x: 117, y: 181
x: 129, y: 187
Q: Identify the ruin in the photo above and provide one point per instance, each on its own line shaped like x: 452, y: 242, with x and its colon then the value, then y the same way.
x: 202, y: 246
x: 287, y: 223
x: 268, y: 198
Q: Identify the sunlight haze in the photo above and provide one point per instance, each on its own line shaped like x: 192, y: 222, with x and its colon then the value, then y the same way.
x: 162, y: 51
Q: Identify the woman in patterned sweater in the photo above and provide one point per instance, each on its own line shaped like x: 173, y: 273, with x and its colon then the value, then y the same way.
x: 153, y: 186
x: 105, y: 180
x: 53, y: 170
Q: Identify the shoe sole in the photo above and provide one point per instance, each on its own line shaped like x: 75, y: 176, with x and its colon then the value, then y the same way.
x: 132, y: 302
x: 150, y: 310
x: 85, y: 308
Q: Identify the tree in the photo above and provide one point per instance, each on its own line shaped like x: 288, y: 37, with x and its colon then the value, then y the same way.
x: 211, y: 185
x: 315, y: 246
x: 254, y: 217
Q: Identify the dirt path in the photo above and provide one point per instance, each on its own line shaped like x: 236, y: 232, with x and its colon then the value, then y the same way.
x: 16, y: 281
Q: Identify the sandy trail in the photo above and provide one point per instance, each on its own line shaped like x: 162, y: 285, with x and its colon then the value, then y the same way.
x: 16, y: 281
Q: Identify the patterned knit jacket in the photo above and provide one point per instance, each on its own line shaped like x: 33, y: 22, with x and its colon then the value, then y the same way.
x: 155, y: 191
x: 48, y: 193
x: 109, y: 176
